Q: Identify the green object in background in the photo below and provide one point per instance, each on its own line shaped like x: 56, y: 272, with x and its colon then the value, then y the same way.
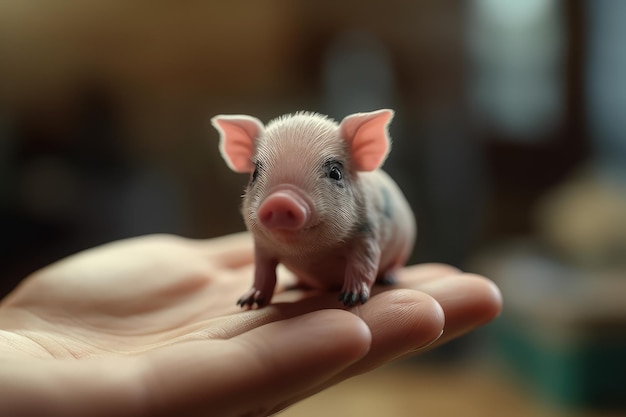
x: 589, y: 372
x: 563, y: 328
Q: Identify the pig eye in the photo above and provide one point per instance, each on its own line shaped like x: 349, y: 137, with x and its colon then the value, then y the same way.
x: 335, y: 173
x: 333, y: 169
x: 255, y: 174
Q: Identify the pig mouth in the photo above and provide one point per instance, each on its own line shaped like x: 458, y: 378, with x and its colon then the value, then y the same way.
x: 304, y: 236
x: 294, y: 233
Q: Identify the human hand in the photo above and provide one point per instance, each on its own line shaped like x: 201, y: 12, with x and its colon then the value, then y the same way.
x: 149, y: 326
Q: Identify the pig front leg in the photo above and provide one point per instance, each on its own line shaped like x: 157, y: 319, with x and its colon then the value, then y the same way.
x: 262, y: 290
x: 361, y: 271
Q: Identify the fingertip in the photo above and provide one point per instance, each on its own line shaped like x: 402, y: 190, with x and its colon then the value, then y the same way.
x: 488, y: 297
x: 426, y: 271
x: 468, y: 300
x: 423, y: 315
x: 403, y: 320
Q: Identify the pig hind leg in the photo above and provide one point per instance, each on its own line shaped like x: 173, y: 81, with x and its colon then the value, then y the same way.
x: 390, y: 277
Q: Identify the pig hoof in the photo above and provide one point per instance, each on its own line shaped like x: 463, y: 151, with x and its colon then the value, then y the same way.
x: 387, y: 279
x: 250, y: 298
x: 350, y: 299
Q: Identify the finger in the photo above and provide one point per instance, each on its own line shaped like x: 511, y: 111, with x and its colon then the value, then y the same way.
x: 401, y: 321
x: 296, y: 301
x: 424, y: 273
x: 231, y: 251
x: 468, y: 301
x: 252, y: 373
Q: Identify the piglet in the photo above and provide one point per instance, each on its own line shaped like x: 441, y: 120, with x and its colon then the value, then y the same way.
x: 317, y: 201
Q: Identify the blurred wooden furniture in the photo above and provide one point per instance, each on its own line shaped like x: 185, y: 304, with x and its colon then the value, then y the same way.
x: 410, y: 390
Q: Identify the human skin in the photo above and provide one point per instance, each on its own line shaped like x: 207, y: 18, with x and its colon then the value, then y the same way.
x: 148, y: 326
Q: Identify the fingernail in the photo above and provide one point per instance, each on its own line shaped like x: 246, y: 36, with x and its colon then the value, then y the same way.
x: 427, y: 345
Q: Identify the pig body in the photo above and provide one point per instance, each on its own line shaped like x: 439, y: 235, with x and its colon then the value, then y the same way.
x: 317, y: 201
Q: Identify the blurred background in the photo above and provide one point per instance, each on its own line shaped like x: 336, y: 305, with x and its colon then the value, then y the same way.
x: 509, y: 141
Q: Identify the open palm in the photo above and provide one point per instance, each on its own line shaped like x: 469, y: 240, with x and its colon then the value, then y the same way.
x: 149, y: 326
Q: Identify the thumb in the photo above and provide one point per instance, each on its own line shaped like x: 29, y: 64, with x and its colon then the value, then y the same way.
x: 252, y: 373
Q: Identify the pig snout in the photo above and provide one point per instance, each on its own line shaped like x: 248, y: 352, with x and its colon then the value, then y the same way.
x: 284, y: 210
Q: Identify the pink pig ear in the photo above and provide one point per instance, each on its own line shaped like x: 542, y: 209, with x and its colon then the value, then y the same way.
x: 366, y: 134
x: 237, y: 136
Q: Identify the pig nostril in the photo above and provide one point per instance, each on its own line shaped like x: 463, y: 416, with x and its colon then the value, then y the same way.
x: 280, y: 218
x: 267, y: 216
